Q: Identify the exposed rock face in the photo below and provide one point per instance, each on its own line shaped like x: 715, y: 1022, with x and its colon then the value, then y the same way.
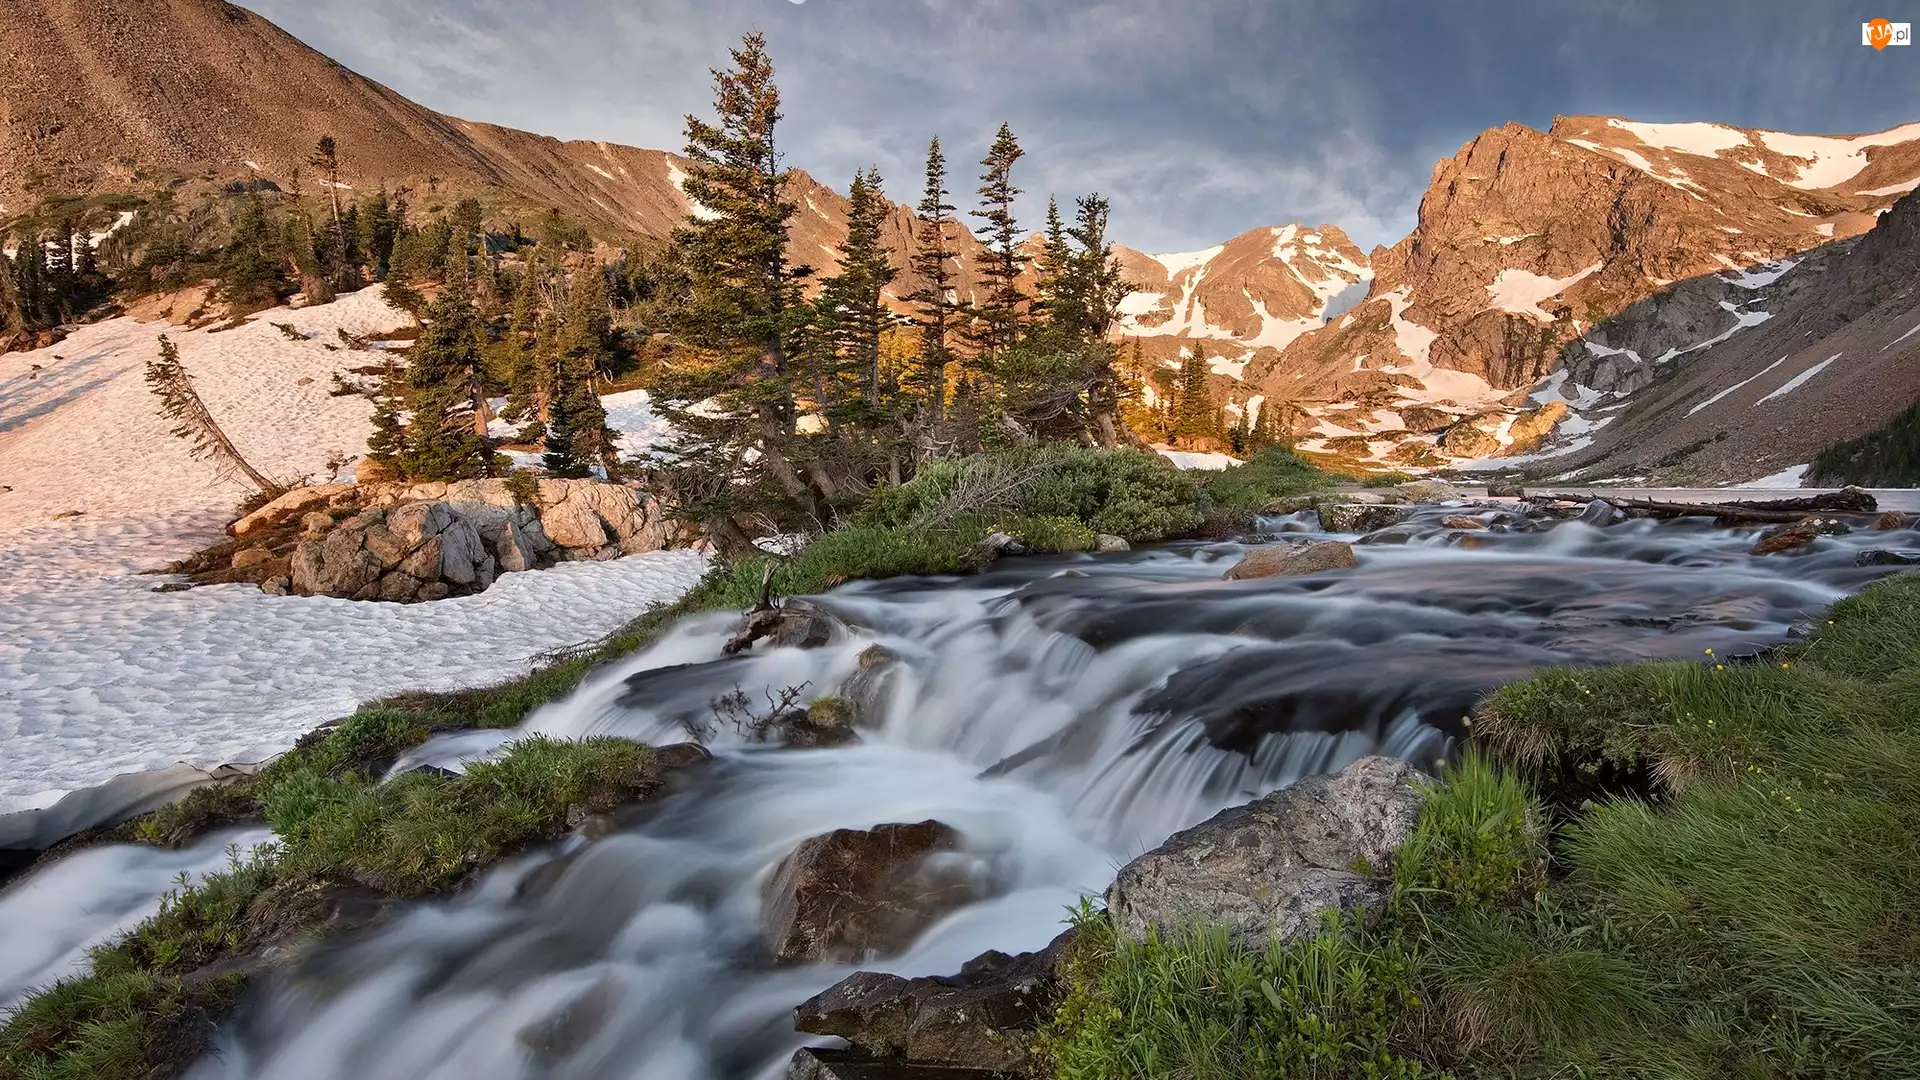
x: 1526, y: 240
x: 1272, y: 867
x: 852, y: 894
x: 1278, y: 561
x: 982, y: 1018
x: 590, y: 520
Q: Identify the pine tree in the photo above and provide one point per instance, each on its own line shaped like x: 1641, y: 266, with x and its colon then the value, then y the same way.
x: 999, y: 311
x: 443, y: 372
x: 181, y: 403
x: 744, y: 303
x: 853, y: 297
x: 251, y: 275
x: 336, y: 262
x: 1091, y: 287
x: 1194, y: 416
x: 576, y: 417
x: 1054, y: 254
x: 936, y: 304
x: 377, y: 227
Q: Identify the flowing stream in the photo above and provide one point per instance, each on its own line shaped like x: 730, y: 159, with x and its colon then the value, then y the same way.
x: 1063, y: 714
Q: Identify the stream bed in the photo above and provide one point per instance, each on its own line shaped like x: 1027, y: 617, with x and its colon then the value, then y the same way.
x: 1062, y: 713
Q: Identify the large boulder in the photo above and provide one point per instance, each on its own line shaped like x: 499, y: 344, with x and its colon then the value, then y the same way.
x: 290, y: 506
x: 982, y: 1018
x: 416, y: 551
x: 1272, y: 868
x: 1281, y: 561
x: 852, y: 894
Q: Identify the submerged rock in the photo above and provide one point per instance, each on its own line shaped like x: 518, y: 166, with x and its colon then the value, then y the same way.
x: 1428, y: 490
x: 851, y: 894
x: 1278, y: 561
x: 1356, y: 517
x: 798, y: 624
x: 1273, y: 867
x: 1600, y: 513
x: 833, y: 1063
x: 1799, y: 534
x: 1883, y: 557
x: 1893, y: 520
x: 869, y: 685
x: 982, y: 1018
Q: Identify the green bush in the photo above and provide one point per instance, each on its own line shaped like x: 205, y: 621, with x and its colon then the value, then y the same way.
x: 1269, y: 476
x: 1132, y: 494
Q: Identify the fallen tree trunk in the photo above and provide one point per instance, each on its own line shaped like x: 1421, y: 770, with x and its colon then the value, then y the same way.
x: 1848, y: 501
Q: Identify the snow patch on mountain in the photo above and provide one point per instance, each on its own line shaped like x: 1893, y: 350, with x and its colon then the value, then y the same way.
x: 1833, y: 160
x: 1520, y: 291
x: 1799, y: 380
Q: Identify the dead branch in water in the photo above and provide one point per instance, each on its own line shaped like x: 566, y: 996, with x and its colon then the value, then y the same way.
x: 1773, y: 511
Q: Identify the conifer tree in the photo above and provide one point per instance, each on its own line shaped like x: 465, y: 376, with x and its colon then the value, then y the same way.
x: 251, y: 273
x: 336, y: 259
x: 744, y: 302
x: 575, y: 416
x: 999, y: 313
x: 377, y: 229
x: 443, y: 373
x: 935, y: 301
x: 1091, y: 287
x: 1054, y: 253
x: 1194, y: 416
x: 181, y: 403
x: 853, y: 296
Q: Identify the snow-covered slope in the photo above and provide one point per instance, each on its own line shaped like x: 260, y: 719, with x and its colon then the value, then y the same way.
x: 99, y: 675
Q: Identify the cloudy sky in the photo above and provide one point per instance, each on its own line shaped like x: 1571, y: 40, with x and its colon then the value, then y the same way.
x: 1198, y: 118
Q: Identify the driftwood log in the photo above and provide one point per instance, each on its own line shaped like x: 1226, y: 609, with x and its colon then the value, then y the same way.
x: 1850, y: 500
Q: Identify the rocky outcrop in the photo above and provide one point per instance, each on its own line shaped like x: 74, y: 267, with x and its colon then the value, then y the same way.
x: 854, y: 894
x: 1272, y: 867
x: 294, y: 504
x: 428, y: 541
x: 588, y: 519
x: 982, y: 1018
x: 416, y: 551
x: 1281, y: 561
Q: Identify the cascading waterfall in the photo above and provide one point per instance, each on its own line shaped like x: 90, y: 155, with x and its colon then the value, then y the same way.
x: 1063, y: 714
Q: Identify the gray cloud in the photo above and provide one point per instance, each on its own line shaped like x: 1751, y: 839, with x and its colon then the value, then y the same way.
x: 1198, y: 118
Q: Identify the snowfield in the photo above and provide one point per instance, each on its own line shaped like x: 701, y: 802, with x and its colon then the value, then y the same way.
x: 100, y: 676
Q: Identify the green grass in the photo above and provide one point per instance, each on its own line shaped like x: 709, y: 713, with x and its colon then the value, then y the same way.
x: 1269, y: 476
x: 1750, y: 912
x: 148, y: 1005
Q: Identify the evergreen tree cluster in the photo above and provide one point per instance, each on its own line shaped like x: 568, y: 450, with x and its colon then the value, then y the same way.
x: 794, y: 409
x: 51, y: 278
